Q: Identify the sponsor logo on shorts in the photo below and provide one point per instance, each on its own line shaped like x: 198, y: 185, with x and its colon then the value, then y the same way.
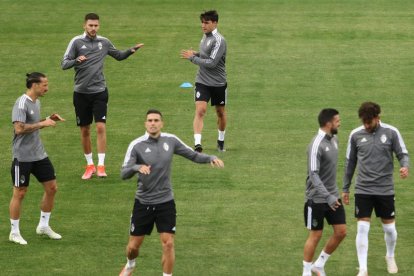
x: 132, y: 227
x: 314, y: 222
x: 22, y: 179
x: 198, y: 94
x: 173, y: 229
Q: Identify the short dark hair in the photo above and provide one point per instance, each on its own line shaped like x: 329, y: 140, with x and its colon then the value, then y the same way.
x: 154, y: 111
x: 91, y: 16
x: 368, y: 111
x: 209, y: 15
x: 326, y: 115
x: 34, y: 77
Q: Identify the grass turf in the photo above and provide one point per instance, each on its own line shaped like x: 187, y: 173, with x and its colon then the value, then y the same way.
x: 286, y: 61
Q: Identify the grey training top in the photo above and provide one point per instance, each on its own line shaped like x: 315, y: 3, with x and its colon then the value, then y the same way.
x: 373, y: 152
x: 89, y: 77
x: 322, y: 161
x: 27, y: 147
x: 156, y: 187
x: 211, y: 60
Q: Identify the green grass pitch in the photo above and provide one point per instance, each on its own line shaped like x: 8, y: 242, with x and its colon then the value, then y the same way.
x: 286, y: 61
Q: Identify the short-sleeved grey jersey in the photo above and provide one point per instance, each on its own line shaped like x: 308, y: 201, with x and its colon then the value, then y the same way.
x: 373, y: 154
x: 156, y: 187
x: 322, y: 155
x: 89, y: 77
x: 211, y: 60
x: 27, y: 147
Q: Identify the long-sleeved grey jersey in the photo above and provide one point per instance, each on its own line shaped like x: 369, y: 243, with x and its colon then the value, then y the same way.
x: 156, y: 187
x: 373, y: 153
x: 322, y: 161
x: 89, y: 77
x: 211, y: 60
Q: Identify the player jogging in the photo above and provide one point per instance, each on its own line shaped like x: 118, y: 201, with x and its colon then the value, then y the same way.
x: 150, y: 156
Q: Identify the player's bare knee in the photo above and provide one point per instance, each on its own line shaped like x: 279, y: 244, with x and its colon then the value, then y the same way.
x: 85, y: 131
x: 200, y: 113
x: 100, y: 128
x: 341, y: 234
x: 19, y: 194
x: 168, y: 245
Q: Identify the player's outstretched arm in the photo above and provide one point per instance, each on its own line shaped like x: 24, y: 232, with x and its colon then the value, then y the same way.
x: 218, y: 163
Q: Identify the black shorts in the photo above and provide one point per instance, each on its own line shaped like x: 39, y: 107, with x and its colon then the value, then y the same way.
x: 315, y: 213
x: 218, y: 95
x: 90, y: 106
x: 20, y: 172
x: 144, y: 216
x: 384, y: 206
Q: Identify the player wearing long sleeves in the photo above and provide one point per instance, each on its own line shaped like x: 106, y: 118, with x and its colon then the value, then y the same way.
x: 321, y: 195
x: 371, y: 148
x: 156, y: 188
x: 86, y: 53
x: 211, y: 79
x: 150, y: 156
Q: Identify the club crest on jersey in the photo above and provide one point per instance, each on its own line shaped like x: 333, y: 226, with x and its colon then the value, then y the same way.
x: 100, y: 46
x: 166, y: 147
x: 208, y: 43
x: 383, y: 138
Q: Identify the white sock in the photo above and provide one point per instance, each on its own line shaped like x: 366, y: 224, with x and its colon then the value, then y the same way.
x: 362, y: 244
x: 44, y: 219
x: 307, y: 267
x: 197, y: 139
x: 323, y: 257
x: 166, y: 274
x: 221, y: 135
x: 88, y: 158
x: 101, y: 159
x: 390, y: 238
x: 130, y: 263
x: 14, y: 223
